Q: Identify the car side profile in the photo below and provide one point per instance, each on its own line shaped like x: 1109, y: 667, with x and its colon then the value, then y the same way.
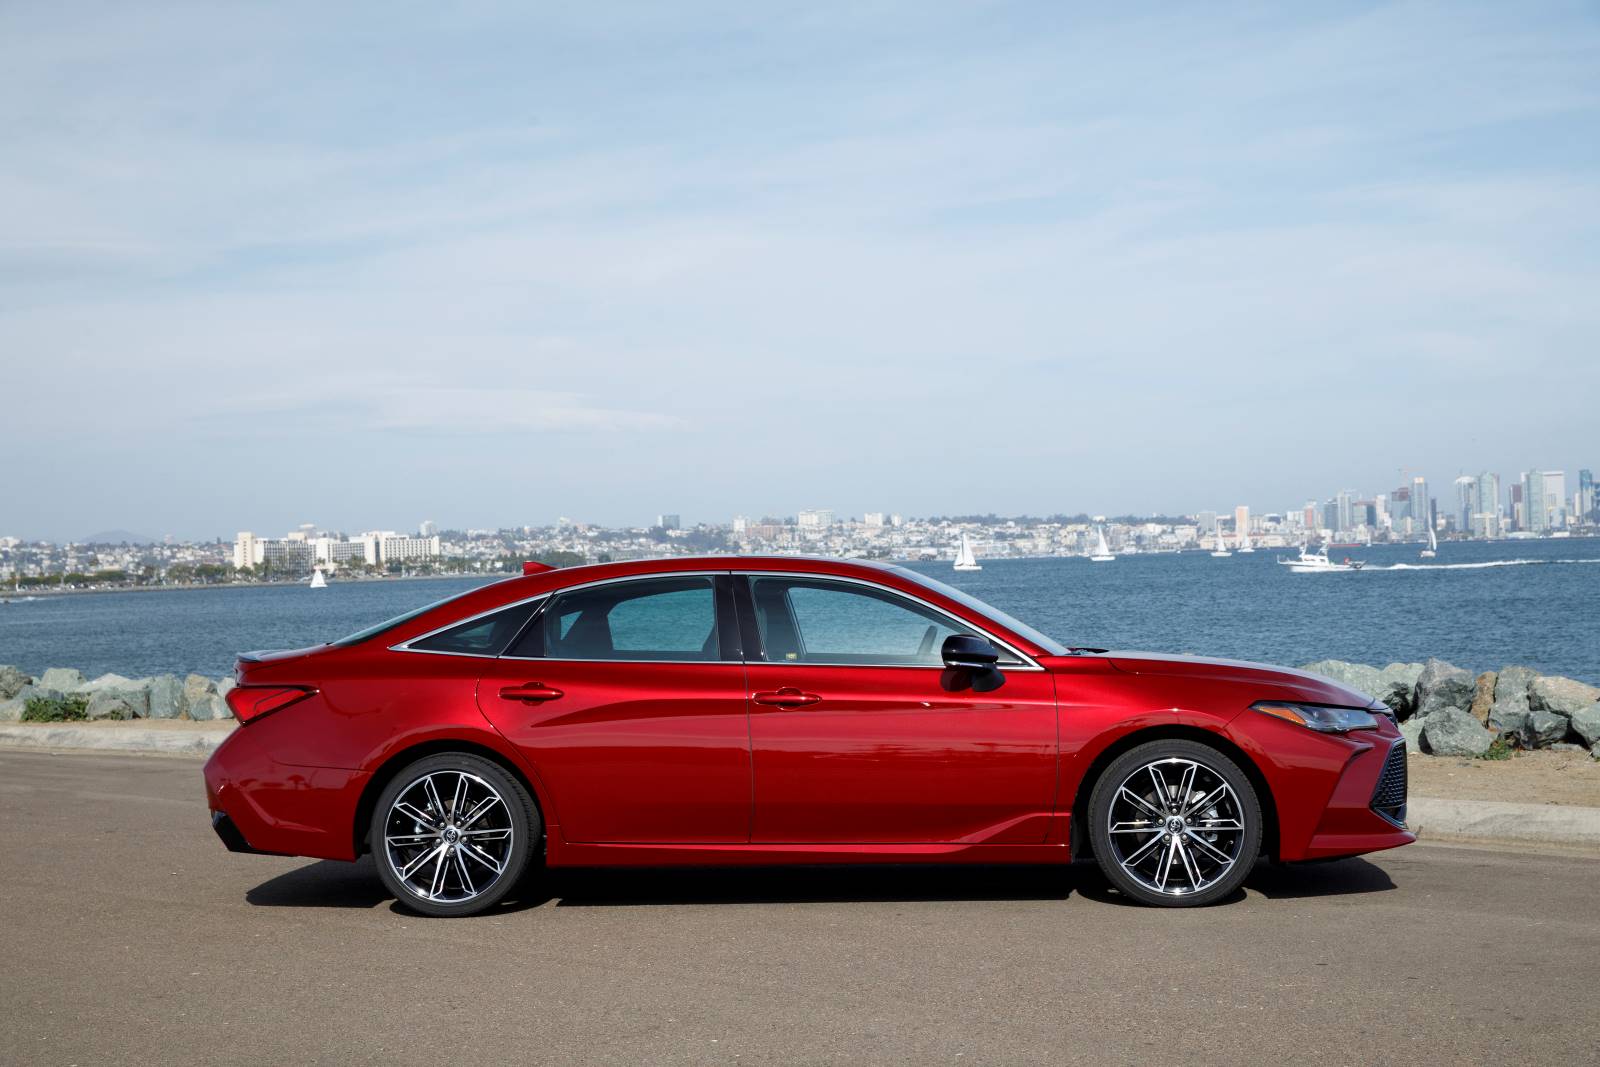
x: 738, y: 710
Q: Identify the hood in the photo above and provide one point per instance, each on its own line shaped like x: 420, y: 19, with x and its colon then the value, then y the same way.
x: 1282, y: 683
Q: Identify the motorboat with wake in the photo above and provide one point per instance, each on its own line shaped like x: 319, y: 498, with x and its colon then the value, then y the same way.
x: 1309, y: 562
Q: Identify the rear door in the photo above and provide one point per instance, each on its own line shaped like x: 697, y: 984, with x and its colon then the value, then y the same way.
x: 858, y: 734
x: 629, y: 698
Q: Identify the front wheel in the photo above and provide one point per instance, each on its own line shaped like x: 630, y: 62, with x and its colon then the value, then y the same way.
x: 1175, y: 823
x: 452, y: 834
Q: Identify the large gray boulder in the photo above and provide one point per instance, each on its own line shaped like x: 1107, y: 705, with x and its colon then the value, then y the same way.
x: 1453, y: 732
x: 1509, y: 712
x: 12, y: 682
x: 1412, y: 730
x: 65, y: 679
x: 108, y: 703
x: 12, y: 707
x: 166, y: 696
x: 1563, y: 696
x: 1442, y: 685
x: 1397, y: 685
x: 109, y: 681
x: 1542, y: 728
x: 199, y: 697
x: 1483, y: 697
x: 1357, y: 676
x: 1586, y: 724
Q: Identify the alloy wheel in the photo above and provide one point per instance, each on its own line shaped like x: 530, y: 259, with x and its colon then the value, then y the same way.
x: 448, y: 837
x: 1176, y: 827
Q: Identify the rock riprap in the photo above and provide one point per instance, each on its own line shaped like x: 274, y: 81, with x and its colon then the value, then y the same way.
x: 1519, y: 704
x: 1453, y: 732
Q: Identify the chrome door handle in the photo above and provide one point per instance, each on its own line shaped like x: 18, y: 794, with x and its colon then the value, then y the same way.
x: 532, y: 692
x: 787, y: 697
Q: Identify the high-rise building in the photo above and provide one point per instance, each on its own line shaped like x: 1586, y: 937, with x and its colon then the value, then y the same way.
x: 1207, y: 521
x: 669, y: 522
x: 1466, y: 501
x: 1421, y: 505
x: 1241, y: 522
x: 1486, y: 506
x: 1308, y: 515
x: 1544, y: 501
x: 873, y: 519
x: 428, y: 528
x: 816, y: 519
x: 245, y: 553
x: 1586, y: 497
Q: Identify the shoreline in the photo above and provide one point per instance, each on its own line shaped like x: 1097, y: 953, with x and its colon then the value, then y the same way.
x: 19, y: 596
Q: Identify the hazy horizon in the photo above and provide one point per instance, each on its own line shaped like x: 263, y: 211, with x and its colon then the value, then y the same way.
x: 361, y: 266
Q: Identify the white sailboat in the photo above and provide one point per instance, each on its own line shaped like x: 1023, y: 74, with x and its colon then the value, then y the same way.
x: 965, y: 560
x: 1221, y: 551
x: 1244, y: 541
x: 318, y: 579
x: 1102, y: 551
x: 1433, y: 545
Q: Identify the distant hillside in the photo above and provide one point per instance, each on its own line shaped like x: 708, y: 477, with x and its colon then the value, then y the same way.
x: 117, y: 537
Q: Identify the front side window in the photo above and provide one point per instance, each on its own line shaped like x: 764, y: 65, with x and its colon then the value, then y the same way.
x: 671, y: 619
x: 807, y: 620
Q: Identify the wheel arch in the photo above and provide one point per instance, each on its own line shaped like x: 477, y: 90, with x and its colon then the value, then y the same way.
x: 360, y: 830
x: 1081, y: 842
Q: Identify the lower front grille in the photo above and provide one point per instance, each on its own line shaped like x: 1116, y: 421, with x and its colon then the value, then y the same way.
x: 1389, y: 797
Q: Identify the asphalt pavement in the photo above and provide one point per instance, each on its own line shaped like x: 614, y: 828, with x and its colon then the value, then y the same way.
x: 128, y: 935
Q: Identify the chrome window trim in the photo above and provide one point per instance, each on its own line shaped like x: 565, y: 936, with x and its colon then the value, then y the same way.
x: 1028, y: 662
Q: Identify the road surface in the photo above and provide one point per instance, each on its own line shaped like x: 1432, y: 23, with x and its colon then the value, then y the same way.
x: 131, y: 936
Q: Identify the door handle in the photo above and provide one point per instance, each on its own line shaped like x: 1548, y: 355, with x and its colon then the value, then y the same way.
x: 787, y: 697
x: 532, y: 692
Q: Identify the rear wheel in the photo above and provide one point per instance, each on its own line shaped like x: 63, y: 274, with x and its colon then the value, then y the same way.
x: 452, y: 834
x: 1175, y: 823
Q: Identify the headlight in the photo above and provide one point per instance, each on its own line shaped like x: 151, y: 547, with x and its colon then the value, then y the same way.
x: 1323, y: 720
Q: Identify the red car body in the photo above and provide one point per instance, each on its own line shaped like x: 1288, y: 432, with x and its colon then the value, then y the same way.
x: 649, y: 763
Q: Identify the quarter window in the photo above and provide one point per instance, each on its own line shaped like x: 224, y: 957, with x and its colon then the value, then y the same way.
x: 805, y: 620
x: 487, y: 636
x: 650, y: 619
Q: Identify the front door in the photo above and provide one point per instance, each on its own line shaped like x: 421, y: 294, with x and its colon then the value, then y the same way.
x: 629, y: 700
x: 858, y: 736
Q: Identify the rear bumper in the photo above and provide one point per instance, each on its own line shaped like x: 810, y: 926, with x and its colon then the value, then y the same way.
x: 232, y: 838
x: 263, y: 807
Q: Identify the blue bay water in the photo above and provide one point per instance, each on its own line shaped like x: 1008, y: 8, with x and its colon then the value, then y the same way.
x: 1480, y: 606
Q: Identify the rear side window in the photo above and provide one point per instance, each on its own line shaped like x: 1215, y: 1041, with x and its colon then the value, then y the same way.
x: 662, y: 619
x: 486, y: 636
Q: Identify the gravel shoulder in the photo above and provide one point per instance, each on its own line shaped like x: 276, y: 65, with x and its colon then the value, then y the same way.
x: 1539, y: 777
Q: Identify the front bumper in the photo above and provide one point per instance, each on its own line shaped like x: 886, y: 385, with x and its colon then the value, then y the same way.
x: 1335, y: 794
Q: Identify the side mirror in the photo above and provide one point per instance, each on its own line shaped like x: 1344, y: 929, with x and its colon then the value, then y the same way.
x: 965, y: 652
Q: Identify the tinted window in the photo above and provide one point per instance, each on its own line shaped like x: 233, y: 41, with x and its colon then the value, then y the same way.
x: 649, y: 619
x: 803, y: 620
x: 988, y: 611
x: 487, y: 636
x: 390, y: 624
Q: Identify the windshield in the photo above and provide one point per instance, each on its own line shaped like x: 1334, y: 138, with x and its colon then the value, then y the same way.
x: 389, y: 624
x: 1021, y: 629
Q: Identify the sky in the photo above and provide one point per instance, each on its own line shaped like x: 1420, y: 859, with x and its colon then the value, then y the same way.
x: 490, y: 264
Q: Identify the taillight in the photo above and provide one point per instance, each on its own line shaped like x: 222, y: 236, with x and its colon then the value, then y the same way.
x: 251, y: 702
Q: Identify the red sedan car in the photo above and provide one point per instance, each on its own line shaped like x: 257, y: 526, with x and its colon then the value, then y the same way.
x: 742, y: 710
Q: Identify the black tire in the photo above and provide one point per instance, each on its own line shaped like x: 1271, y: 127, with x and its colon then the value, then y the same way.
x: 402, y: 838
x: 1188, y: 845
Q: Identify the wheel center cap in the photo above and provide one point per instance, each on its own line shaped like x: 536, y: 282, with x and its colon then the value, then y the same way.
x: 1175, y: 825
x: 451, y: 835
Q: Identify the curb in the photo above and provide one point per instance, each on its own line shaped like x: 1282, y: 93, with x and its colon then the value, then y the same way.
x: 1563, y: 825
x: 197, y: 743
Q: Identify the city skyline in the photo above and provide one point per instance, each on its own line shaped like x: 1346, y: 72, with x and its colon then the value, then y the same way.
x: 502, y: 265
